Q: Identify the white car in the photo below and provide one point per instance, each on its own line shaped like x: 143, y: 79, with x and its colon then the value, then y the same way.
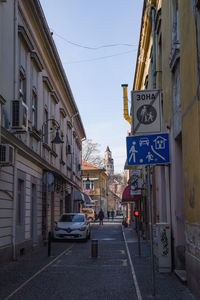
x: 72, y: 226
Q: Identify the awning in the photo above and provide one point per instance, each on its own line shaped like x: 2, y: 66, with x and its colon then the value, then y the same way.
x: 87, y: 198
x: 78, y: 196
x: 127, y: 196
x: 82, y: 197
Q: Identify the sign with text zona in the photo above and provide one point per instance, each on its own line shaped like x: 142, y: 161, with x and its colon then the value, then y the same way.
x: 146, y: 111
x: 150, y: 149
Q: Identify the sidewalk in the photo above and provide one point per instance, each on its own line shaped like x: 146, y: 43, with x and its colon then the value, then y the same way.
x: 167, y: 285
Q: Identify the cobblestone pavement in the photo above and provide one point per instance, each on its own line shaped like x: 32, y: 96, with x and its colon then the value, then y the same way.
x: 71, y: 273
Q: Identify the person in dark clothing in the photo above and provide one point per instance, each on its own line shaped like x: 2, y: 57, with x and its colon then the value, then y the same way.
x: 101, y: 217
x: 112, y: 214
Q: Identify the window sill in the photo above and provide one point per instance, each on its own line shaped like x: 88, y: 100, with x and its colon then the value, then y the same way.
x: 47, y: 147
x: 54, y: 153
x: 35, y: 135
x: 62, y: 162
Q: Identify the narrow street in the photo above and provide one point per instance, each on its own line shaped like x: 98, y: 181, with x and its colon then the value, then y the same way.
x: 76, y: 275
x: 72, y: 274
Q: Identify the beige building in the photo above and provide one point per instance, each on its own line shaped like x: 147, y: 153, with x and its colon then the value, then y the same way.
x: 38, y: 177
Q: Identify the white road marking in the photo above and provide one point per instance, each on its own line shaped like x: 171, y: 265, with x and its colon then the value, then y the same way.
x: 139, y: 296
x: 37, y: 273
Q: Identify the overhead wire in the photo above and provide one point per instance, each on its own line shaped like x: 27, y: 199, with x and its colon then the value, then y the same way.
x: 92, y: 48
x: 98, y: 58
x: 95, y: 48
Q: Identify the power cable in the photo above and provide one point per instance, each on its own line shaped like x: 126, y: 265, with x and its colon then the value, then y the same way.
x: 98, y: 58
x: 92, y: 48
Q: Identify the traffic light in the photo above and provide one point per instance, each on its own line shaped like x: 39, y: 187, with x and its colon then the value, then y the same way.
x: 136, y: 213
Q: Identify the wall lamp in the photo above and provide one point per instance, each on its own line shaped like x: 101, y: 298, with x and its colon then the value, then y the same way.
x: 57, y: 139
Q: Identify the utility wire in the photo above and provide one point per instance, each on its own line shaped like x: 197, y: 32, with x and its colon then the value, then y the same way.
x: 92, y: 48
x: 98, y: 58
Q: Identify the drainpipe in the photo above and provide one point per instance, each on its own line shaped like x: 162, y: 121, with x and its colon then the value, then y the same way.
x: 15, y: 43
x: 154, y: 50
x: 125, y: 103
x: 150, y: 202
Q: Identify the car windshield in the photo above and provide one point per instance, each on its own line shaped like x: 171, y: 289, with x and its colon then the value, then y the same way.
x: 72, y: 218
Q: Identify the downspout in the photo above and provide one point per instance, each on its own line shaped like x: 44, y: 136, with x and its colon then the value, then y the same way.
x: 125, y: 104
x: 15, y: 151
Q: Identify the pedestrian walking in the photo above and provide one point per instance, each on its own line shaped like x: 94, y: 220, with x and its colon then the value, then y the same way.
x: 108, y: 214
x: 112, y: 214
x: 101, y: 217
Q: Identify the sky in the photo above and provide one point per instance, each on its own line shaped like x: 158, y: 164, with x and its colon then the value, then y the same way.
x: 97, y: 41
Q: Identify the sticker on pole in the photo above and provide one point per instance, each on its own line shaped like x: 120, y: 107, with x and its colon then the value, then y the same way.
x: 146, y: 111
x: 148, y: 149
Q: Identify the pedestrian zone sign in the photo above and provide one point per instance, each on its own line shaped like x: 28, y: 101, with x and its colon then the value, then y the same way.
x: 150, y: 149
x: 146, y: 111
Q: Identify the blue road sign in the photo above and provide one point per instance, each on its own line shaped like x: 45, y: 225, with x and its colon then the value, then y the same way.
x: 150, y: 149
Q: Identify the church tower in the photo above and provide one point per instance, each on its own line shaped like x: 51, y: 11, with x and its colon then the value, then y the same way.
x: 109, y: 162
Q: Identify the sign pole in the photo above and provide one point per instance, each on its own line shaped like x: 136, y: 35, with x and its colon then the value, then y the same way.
x: 151, y: 228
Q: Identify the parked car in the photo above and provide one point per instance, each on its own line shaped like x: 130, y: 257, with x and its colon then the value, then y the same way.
x: 89, y: 212
x: 72, y: 226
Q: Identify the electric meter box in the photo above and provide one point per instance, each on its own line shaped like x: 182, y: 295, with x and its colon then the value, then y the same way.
x: 162, y: 247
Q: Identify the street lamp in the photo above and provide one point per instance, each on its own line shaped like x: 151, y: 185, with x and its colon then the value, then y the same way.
x: 57, y: 139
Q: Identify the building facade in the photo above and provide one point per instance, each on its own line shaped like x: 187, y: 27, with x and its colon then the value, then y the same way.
x: 168, y: 59
x: 41, y: 131
x: 95, y: 185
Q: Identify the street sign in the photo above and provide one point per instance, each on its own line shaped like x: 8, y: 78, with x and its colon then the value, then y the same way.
x: 146, y: 111
x: 150, y: 149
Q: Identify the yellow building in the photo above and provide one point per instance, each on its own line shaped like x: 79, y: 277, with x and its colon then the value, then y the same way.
x: 169, y: 59
x: 95, y: 185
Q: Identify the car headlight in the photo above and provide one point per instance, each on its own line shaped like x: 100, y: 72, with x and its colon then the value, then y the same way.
x: 82, y: 228
x: 58, y: 228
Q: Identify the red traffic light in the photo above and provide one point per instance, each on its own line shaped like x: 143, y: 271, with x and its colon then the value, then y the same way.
x: 136, y: 213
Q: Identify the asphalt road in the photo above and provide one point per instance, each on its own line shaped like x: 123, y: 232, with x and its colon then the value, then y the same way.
x: 75, y: 275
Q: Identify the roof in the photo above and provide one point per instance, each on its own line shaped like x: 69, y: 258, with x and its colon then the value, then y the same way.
x: 88, y: 166
x: 108, y: 149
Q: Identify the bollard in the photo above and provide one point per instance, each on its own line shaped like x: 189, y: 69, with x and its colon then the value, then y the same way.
x: 94, y: 248
x: 49, y: 243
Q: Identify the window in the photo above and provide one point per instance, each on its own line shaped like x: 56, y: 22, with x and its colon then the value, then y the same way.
x: 175, y: 22
x: 34, y: 108
x: 22, y: 85
x: 88, y: 185
x: 45, y: 133
x: 20, y: 201
x: 61, y: 206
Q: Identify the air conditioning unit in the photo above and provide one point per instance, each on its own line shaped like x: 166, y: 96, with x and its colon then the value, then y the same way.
x: 19, y: 116
x: 68, y: 149
x: 6, y: 154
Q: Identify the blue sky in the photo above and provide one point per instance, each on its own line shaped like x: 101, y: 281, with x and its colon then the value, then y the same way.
x: 96, y: 75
